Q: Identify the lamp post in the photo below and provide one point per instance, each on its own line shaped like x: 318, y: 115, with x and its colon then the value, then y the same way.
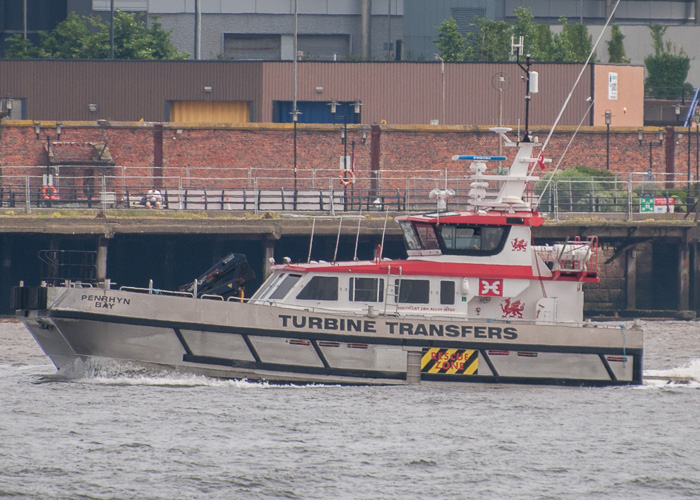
x: 688, y: 200
x: 442, y: 70
x: 295, y: 110
x: 344, y: 139
x: 697, y: 144
x: 608, y: 117
x: 295, y: 119
x: 640, y: 137
x: 677, y: 111
x: 49, y: 180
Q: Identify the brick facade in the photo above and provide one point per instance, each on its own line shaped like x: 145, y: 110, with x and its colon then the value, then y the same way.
x: 263, y: 154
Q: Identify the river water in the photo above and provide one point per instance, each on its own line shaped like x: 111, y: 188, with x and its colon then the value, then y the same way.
x: 117, y: 432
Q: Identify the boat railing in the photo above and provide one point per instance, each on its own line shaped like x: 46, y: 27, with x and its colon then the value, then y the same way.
x: 58, y: 266
x: 74, y: 284
x: 573, y: 256
x: 155, y: 291
x: 209, y: 296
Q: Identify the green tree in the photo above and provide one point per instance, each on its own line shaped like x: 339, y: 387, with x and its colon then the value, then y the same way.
x: 616, y: 49
x: 667, y: 69
x: 573, y: 44
x: 19, y: 48
x: 491, y: 43
x: 543, y: 44
x: 88, y: 37
x: 451, y: 43
x: 537, y: 37
x: 70, y: 39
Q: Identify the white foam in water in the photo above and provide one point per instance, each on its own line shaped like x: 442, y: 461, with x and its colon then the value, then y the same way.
x: 686, y: 375
x: 110, y: 372
x: 106, y: 371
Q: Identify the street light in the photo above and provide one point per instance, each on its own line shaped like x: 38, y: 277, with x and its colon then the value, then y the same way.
x: 48, y: 181
x: 640, y: 136
x: 608, y: 117
x: 690, y: 123
x: 697, y: 144
x: 442, y: 70
x: 295, y: 119
x: 677, y: 110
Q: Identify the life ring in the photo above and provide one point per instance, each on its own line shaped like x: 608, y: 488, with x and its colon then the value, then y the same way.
x: 346, y: 181
x: 49, y: 192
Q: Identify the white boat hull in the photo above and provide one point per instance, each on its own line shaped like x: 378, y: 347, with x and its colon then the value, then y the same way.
x: 235, y: 340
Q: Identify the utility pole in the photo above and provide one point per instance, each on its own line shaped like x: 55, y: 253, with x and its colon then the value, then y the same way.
x: 197, y: 31
x: 111, y: 29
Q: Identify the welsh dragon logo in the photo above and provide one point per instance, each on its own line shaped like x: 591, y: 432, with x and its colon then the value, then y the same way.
x: 519, y: 245
x: 512, y: 310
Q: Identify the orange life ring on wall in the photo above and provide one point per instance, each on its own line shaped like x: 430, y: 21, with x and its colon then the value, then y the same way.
x: 49, y: 192
x: 346, y: 181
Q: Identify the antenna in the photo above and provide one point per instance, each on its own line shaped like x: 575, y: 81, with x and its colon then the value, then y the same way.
x: 337, y: 241
x: 520, y: 45
x: 526, y: 68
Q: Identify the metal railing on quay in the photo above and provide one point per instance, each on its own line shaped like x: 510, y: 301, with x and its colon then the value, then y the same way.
x: 640, y: 193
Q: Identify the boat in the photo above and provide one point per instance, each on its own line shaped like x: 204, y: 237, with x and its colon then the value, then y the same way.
x: 473, y: 301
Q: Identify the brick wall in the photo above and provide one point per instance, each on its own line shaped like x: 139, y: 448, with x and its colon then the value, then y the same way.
x: 235, y: 156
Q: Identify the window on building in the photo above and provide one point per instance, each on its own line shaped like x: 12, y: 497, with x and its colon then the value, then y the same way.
x: 252, y: 47
x: 412, y: 291
x: 366, y: 289
x: 320, y: 288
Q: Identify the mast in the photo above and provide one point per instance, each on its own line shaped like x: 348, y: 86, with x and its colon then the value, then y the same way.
x: 531, y: 81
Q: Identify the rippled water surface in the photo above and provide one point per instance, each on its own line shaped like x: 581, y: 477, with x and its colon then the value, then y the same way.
x: 117, y: 432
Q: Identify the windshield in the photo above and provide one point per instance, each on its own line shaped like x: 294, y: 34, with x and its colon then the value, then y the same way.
x: 472, y: 239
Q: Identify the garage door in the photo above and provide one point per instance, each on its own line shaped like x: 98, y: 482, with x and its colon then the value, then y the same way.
x: 210, y: 112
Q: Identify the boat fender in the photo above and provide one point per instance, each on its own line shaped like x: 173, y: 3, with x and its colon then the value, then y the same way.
x: 465, y: 286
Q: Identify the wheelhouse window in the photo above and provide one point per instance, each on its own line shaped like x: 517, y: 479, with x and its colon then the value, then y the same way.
x: 447, y: 292
x: 410, y: 236
x: 320, y: 288
x: 472, y: 239
x: 284, y: 287
x: 426, y: 235
x: 412, y: 291
x: 366, y: 289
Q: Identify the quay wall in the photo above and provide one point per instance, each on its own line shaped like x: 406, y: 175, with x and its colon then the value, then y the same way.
x: 386, y: 157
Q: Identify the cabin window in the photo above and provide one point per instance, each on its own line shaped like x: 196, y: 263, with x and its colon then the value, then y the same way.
x: 426, y: 234
x: 366, y: 290
x: 320, y: 288
x: 447, y: 292
x: 475, y: 240
x: 285, y: 286
x: 410, y: 236
x: 412, y: 291
x: 273, y: 283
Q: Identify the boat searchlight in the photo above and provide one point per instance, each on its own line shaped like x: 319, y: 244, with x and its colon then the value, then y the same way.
x: 441, y: 195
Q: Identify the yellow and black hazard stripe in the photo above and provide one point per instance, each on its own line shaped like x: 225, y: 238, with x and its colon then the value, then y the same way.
x: 450, y: 361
